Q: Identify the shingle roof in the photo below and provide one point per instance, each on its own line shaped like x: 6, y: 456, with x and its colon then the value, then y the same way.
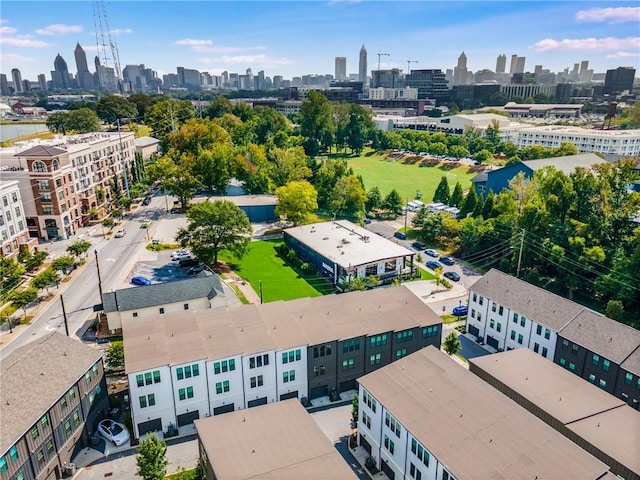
x: 474, y: 430
x: 601, y: 335
x: 570, y: 400
x: 222, y: 332
x: 34, y: 377
x: 146, y: 141
x: 632, y: 363
x: 41, y: 151
x: 533, y: 302
x: 162, y: 293
x: 256, y: 443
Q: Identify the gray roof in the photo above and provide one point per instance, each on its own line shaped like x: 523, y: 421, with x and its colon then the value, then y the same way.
x: 569, y: 400
x: 632, y: 363
x: 481, y: 177
x: 146, y: 141
x: 222, y: 332
x: 33, y: 379
x: 241, y: 200
x: 566, y: 164
x: 601, y: 335
x: 41, y: 151
x: 162, y: 293
x: 474, y: 430
x: 256, y: 443
x: 347, y: 244
x: 533, y: 302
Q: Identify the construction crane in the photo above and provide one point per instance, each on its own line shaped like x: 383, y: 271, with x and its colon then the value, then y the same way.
x: 409, y: 62
x: 104, y: 40
x: 380, y: 54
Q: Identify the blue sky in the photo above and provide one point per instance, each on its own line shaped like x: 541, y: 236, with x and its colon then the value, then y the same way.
x: 293, y: 38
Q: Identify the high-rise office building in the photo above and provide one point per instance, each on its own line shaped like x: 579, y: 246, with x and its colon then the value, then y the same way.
x: 619, y: 80
x: 85, y: 79
x: 362, y: 65
x: 501, y: 63
x: 341, y: 68
x: 585, y: 73
x: 514, y: 63
x: 4, y: 85
x: 520, y: 64
x: 460, y: 70
x: 430, y: 84
x: 16, y: 76
x: 60, y: 73
x: 42, y: 82
x: 188, y: 78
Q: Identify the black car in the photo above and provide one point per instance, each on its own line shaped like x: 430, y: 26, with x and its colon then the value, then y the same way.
x: 146, y: 201
x: 400, y: 235
x: 195, y: 270
x: 188, y: 262
x: 418, y: 245
x: 453, y: 276
x: 447, y: 260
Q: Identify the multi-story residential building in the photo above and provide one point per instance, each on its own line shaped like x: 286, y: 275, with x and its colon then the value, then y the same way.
x: 569, y: 405
x: 382, y: 93
x: 67, y: 182
x: 549, y: 111
x: 53, y: 395
x: 257, y: 444
x: 608, y: 142
x: 426, y: 417
x: 196, y: 364
x: 13, y: 225
x: 508, y: 313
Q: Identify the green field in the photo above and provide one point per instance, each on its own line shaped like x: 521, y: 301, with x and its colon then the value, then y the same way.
x: 407, y: 178
x: 279, y: 280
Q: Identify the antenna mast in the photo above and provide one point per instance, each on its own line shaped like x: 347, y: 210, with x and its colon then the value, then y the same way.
x: 104, y: 38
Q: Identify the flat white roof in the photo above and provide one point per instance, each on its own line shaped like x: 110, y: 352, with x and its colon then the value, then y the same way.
x: 347, y: 244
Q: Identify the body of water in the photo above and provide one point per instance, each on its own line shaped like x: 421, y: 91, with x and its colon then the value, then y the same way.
x: 9, y: 131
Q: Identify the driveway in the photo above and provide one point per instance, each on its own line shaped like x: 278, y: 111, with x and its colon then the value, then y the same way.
x: 470, y: 349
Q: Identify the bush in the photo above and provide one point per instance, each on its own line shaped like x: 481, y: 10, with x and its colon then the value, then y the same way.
x: 307, y: 268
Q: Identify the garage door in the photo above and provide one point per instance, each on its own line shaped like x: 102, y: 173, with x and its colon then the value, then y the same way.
x: 223, y: 409
x: 364, y: 444
x: 321, y: 391
x: 387, y: 470
x: 150, y: 426
x: 188, y: 418
x: 474, y: 330
x: 257, y: 401
x: 285, y: 396
x: 348, y: 385
x: 492, y: 342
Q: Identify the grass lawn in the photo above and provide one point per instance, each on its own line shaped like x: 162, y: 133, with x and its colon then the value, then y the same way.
x: 279, y: 280
x: 407, y: 178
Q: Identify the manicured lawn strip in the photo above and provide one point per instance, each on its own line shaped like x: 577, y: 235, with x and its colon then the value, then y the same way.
x: 407, y: 178
x: 192, y: 474
x: 279, y: 280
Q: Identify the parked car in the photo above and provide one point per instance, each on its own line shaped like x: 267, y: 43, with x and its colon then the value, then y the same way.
x: 432, y: 253
x: 188, y: 262
x: 120, y: 233
x: 180, y: 253
x: 460, y: 311
x: 139, y: 280
x: 418, y: 245
x: 447, y: 260
x: 400, y: 235
x: 433, y: 264
x: 114, y: 432
x: 451, y: 276
x: 179, y: 258
x: 195, y: 270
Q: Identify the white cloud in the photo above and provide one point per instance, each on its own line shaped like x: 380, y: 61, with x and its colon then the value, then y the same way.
x: 207, y: 46
x: 7, y: 30
x: 120, y: 31
x: 15, y: 59
x: 23, y: 41
x: 190, y: 42
x: 623, y: 55
x: 587, y: 44
x: 261, y: 60
x: 612, y: 15
x: 59, y: 29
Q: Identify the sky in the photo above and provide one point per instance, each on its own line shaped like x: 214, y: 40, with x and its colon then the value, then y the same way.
x: 293, y: 38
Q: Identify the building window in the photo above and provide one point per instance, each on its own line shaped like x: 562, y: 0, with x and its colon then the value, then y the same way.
x: 605, y: 365
x: 186, y: 306
x: 523, y: 321
x: 547, y: 333
x: 375, y: 359
x: 520, y: 338
x: 350, y: 346
x: 35, y: 433
x: 389, y: 445
x: 574, y: 349
x: 63, y: 402
x: 366, y: 419
x: 140, y: 380
x: 628, y: 378
x: 151, y: 398
x: 322, y: 351
x: 595, y: 360
x: 148, y: 378
x: 500, y: 310
x: 515, y: 318
x: 256, y: 381
x: 87, y: 378
x: 475, y: 297
x: 143, y: 401
x: 544, y: 352
x: 401, y: 353
x: 289, y: 376
x: 492, y: 323
x: 592, y: 378
x: 44, y: 421
x: 572, y: 367
x: 222, y: 387
x: 259, y: 361
x: 67, y: 427
x: 378, y: 340
x: 348, y: 364
x: 513, y: 334
x: 179, y: 373
x: 563, y: 361
x: 370, y: 402
x: 430, y: 332
x: 481, y: 299
x: 135, y: 314
x: 405, y: 336
x: 499, y: 327
x: 49, y: 447
x: 156, y: 376
x: 393, y: 424
x: 319, y: 370
x: 602, y: 384
x: 536, y: 347
x: 494, y: 307
x: 539, y: 330
x: 184, y: 393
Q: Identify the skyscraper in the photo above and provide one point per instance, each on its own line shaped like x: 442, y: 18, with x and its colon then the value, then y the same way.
x: 501, y: 63
x: 341, y: 68
x: 4, y: 85
x: 60, y: 73
x: 362, y: 66
x: 42, y: 82
x: 16, y: 76
x: 460, y: 71
x: 520, y: 65
x: 619, y: 80
x: 85, y: 79
x: 514, y: 62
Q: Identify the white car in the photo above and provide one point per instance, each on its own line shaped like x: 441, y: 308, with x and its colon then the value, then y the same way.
x: 183, y: 252
x: 120, y: 233
x: 114, y: 432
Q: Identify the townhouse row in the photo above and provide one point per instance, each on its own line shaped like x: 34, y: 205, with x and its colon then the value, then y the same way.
x: 508, y: 313
x: 196, y: 364
x: 52, y: 397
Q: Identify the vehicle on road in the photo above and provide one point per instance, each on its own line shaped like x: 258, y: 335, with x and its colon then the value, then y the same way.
x: 139, y: 280
x: 460, y: 311
x: 120, y: 233
x: 114, y: 432
x: 447, y: 260
x: 400, y: 235
x: 195, y: 270
x: 453, y: 276
x: 432, y: 253
x: 433, y: 264
x: 418, y: 245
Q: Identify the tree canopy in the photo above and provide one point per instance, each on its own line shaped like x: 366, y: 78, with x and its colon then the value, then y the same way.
x: 297, y: 200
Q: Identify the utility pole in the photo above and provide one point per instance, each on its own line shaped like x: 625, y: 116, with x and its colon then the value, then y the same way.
x: 409, y: 62
x: 406, y: 213
x: 64, y: 316
x: 99, y: 279
x: 380, y: 54
x: 260, y: 291
x: 520, y: 253
x: 124, y: 165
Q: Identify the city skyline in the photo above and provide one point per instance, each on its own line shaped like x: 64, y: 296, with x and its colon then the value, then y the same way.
x: 297, y: 38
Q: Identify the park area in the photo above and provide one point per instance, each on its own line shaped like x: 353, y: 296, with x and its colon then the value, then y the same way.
x: 406, y: 176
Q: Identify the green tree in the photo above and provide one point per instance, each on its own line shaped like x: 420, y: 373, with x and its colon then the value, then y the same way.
x: 374, y: 199
x: 166, y: 116
x: 22, y: 298
x: 316, y: 123
x: 348, y: 197
x: 393, y: 202
x: 452, y: 344
x: 82, y: 121
x: 45, y: 279
x: 57, y: 122
x: 33, y: 261
x: 469, y: 203
x: 355, y: 409
x: 288, y: 165
x: 213, y: 226
x: 431, y: 226
x: 458, y: 151
x: 442, y: 192
x: 219, y: 107
x: 108, y: 223
x: 214, y: 168
x: 114, y: 355
x: 615, y: 310
x: 326, y: 176
x: 196, y: 134
x: 111, y: 108
x: 142, y: 102
x: 152, y: 458
x: 483, y: 155
x: 10, y: 270
x: 63, y: 263
x: 296, y: 201
x: 457, y: 197
x: 487, y: 209
x: 267, y: 122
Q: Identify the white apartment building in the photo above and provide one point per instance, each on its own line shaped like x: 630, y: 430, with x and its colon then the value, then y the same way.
x: 382, y: 93
x: 13, y: 225
x: 425, y: 417
x: 508, y: 313
x: 195, y: 364
x: 608, y: 142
